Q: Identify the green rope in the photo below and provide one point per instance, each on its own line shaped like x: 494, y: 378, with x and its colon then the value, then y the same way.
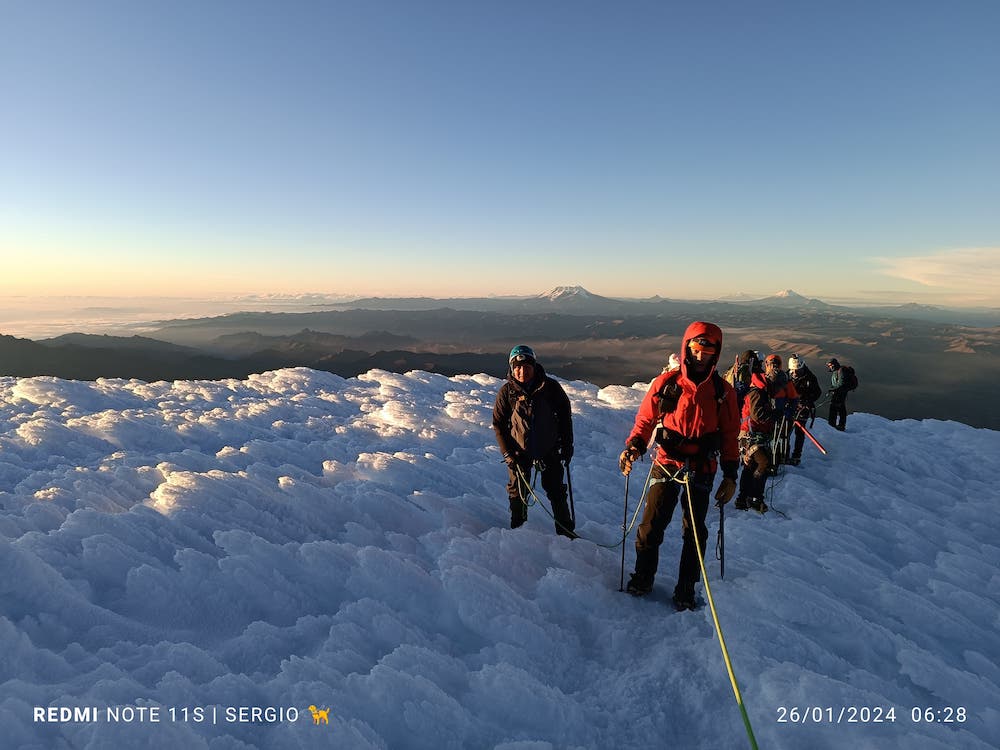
x: 536, y: 500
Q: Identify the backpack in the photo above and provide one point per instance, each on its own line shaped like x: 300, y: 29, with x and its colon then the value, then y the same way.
x: 808, y: 387
x: 850, y: 378
x: 738, y: 376
x: 738, y: 373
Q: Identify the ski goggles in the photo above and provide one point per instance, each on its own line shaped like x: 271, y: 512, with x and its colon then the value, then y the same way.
x: 701, y: 344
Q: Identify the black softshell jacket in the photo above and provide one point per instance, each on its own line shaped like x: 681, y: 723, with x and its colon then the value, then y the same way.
x: 532, y: 419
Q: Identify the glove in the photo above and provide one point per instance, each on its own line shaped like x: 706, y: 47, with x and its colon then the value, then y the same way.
x: 566, y: 453
x: 625, y: 460
x: 510, y: 459
x: 758, y: 456
x: 726, y: 491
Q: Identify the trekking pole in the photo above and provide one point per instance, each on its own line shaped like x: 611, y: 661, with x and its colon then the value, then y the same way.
x: 621, y: 586
x: 810, y: 436
x: 722, y: 540
x: 776, y: 445
x: 569, y: 485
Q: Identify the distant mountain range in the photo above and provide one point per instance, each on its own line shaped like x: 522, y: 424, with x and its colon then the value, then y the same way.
x: 579, y: 301
x: 911, y: 360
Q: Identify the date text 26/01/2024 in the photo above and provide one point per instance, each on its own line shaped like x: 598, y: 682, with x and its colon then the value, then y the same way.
x: 868, y: 715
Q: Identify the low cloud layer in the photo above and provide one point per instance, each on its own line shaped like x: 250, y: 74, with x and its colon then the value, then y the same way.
x: 972, y: 273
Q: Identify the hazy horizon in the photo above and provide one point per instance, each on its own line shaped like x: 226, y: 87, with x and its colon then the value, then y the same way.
x: 46, y: 317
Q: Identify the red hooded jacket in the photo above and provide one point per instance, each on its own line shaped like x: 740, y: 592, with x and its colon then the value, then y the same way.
x: 698, y: 414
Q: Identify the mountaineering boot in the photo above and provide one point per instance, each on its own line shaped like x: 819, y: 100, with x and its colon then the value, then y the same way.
x: 564, y: 524
x: 741, y: 503
x: 793, y: 460
x: 639, y: 585
x: 684, y: 597
x: 758, y: 505
x: 518, y: 512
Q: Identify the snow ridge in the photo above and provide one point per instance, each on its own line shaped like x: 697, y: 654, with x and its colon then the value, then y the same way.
x: 300, y: 539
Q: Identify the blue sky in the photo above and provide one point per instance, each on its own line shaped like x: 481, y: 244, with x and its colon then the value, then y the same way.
x: 844, y: 150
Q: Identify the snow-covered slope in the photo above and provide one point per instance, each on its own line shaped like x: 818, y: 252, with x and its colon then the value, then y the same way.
x: 299, y: 539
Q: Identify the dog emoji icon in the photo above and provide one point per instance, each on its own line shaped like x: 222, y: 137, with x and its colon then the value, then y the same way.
x: 320, y: 715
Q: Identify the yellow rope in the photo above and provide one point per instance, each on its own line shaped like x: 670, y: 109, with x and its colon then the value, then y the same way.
x: 715, y: 618
x: 686, y: 481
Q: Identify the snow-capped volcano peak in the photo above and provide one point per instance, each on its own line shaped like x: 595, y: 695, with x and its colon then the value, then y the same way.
x: 789, y: 294
x: 567, y: 292
x: 788, y: 298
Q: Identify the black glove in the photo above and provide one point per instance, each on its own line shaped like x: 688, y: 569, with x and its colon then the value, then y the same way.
x: 726, y: 491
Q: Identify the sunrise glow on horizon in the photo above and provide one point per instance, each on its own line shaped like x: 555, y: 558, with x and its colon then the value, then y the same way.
x: 457, y: 150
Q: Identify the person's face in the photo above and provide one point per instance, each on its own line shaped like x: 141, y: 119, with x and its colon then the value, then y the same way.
x: 772, y: 367
x: 523, y: 371
x: 701, y: 356
x: 701, y: 351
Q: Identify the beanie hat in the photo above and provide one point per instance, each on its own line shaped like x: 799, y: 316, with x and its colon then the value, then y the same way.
x: 521, y: 353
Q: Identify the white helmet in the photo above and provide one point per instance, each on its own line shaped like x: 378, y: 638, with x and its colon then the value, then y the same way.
x: 794, y: 363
